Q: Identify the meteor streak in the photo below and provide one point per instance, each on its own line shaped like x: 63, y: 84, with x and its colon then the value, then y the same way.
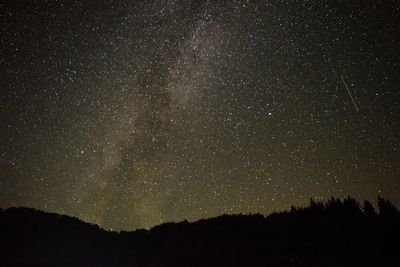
x: 347, y: 88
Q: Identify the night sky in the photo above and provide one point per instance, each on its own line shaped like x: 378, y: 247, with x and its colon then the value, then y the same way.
x: 129, y: 114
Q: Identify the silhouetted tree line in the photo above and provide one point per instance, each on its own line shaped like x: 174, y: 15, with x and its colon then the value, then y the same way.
x: 339, y: 232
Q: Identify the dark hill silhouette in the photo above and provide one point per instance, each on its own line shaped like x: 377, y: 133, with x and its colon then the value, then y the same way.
x: 335, y: 233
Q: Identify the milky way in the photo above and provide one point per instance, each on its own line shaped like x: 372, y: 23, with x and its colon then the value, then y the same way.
x: 128, y: 114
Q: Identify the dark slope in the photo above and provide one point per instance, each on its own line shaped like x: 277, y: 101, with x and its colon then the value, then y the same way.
x: 35, y: 238
x: 338, y: 233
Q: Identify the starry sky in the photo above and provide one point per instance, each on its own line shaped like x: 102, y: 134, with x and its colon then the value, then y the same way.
x: 129, y: 114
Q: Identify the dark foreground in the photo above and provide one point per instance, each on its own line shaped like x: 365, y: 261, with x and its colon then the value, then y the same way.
x: 337, y: 233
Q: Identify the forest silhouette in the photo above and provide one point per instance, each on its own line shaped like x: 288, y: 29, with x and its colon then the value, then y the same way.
x: 339, y: 232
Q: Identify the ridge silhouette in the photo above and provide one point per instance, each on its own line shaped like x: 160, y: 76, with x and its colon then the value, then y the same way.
x: 339, y: 232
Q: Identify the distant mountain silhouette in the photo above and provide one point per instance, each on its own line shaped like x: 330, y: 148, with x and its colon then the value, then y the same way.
x: 335, y: 233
